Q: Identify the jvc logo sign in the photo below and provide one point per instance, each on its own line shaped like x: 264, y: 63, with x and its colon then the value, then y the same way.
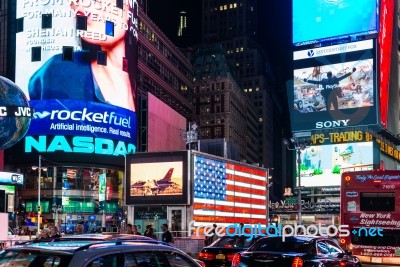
x: 16, y: 111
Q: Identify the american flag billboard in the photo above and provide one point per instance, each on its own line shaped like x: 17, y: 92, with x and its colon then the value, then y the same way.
x: 226, y: 192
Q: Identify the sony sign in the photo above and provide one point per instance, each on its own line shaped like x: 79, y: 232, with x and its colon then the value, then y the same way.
x: 331, y: 124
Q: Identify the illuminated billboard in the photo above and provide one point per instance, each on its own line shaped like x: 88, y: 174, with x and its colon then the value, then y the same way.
x: 322, y: 165
x: 228, y: 192
x: 76, y: 62
x: 385, y: 52
x: 334, y: 87
x: 164, y: 119
x: 323, y: 20
x: 157, y: 178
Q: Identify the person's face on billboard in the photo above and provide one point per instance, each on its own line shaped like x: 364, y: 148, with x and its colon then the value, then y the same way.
x: 98, y: 12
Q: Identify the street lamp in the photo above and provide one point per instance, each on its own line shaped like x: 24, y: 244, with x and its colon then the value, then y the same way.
x: 191, y: 136
x: 39, y: 168
x: 56, y: 209
x: 299, y: 142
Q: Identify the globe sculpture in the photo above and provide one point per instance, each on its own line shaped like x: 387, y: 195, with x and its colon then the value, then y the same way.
x: 15, y: 114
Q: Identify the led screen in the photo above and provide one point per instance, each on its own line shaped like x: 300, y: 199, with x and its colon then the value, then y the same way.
x: 163, y: 119
x: 385, y: 51
x: 321, y: 20
x: 228, y: 192
x: 157, y: 178
x: 334, y: 87
x: 323, y: 165
x: 10, y: 178
x: 76, y: 62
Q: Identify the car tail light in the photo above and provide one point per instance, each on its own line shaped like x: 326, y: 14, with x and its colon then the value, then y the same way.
x: 206, y: 256
x: 236, y: 260
x: 229, y: 257
x: 297, y: 262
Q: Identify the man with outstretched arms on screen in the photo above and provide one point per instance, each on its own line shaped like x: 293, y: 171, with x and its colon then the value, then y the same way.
x: 331, y: 89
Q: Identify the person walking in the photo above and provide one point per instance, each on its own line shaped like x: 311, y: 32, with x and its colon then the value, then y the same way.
x: 166, y: 236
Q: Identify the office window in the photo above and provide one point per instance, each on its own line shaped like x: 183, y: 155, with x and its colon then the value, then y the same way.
x: 47, y: 21
x: 120, y: 4
x: 125, y: 64
x: 36, y: 53
x: 109, y: 28
x: 68, y: 53
x: 20, y: 25
x: 81, y: 22
x: 102, y: 58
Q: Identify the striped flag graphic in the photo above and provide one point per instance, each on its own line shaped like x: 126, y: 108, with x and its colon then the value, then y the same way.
x: 226, y: 193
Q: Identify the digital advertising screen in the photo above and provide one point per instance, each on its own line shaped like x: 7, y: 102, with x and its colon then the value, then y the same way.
x: 164, y: 119
x: 76, y: 62
x: 334, y: 87
x: 323, y: 165
x: 323, y: 20
x: 11, y: 178
x: 157, y: 178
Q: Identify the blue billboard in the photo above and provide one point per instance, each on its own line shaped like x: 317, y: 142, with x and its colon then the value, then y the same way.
x: 79, y: 74
x: 322, y: 20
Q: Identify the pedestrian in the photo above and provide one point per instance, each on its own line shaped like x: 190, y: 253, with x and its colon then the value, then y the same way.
x: 129, y: 229
x: 135, y: 230
x: 147, y: 229
x: 166, y: 236
x: 54, y: 232
x: 151, y: 234
x: 45, y: 233
x: 214, y: 236
x: 79, y: 228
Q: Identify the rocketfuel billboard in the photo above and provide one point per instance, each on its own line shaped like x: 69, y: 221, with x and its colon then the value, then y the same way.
x: 76, y: 62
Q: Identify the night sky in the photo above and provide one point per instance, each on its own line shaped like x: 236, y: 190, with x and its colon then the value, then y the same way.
x: 275, y: 27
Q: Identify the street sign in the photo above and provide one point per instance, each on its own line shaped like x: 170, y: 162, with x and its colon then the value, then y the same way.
x: 302, y: 134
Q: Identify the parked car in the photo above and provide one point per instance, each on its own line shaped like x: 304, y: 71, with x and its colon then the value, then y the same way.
x: 90, y: 253
x: 295, y: 251
x: 221, y: 251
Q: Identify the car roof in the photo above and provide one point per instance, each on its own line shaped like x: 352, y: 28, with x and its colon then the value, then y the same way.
x: 71, y: 246
x: 94, y: 237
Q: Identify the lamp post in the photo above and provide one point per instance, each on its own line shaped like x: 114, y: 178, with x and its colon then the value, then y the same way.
x: 299, y: 142
x: 191, y: 136
x: 57, y: 209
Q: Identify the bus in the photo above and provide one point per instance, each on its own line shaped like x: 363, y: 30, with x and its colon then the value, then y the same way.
x: 370, y: 209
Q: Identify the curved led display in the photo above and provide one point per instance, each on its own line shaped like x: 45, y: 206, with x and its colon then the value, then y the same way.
x: 76, y: 62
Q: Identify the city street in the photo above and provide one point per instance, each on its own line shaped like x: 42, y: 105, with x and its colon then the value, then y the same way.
x: 374, y: 265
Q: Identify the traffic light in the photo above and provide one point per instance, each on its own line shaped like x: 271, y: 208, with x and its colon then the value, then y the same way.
x: 39, y: 209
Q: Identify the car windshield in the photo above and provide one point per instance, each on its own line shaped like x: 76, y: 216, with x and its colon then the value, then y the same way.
x: 232, y: 241
x: 32, y: 258
x: 278, y: 245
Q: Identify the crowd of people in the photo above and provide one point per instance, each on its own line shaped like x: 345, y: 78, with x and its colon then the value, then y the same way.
x: 53, y: 232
